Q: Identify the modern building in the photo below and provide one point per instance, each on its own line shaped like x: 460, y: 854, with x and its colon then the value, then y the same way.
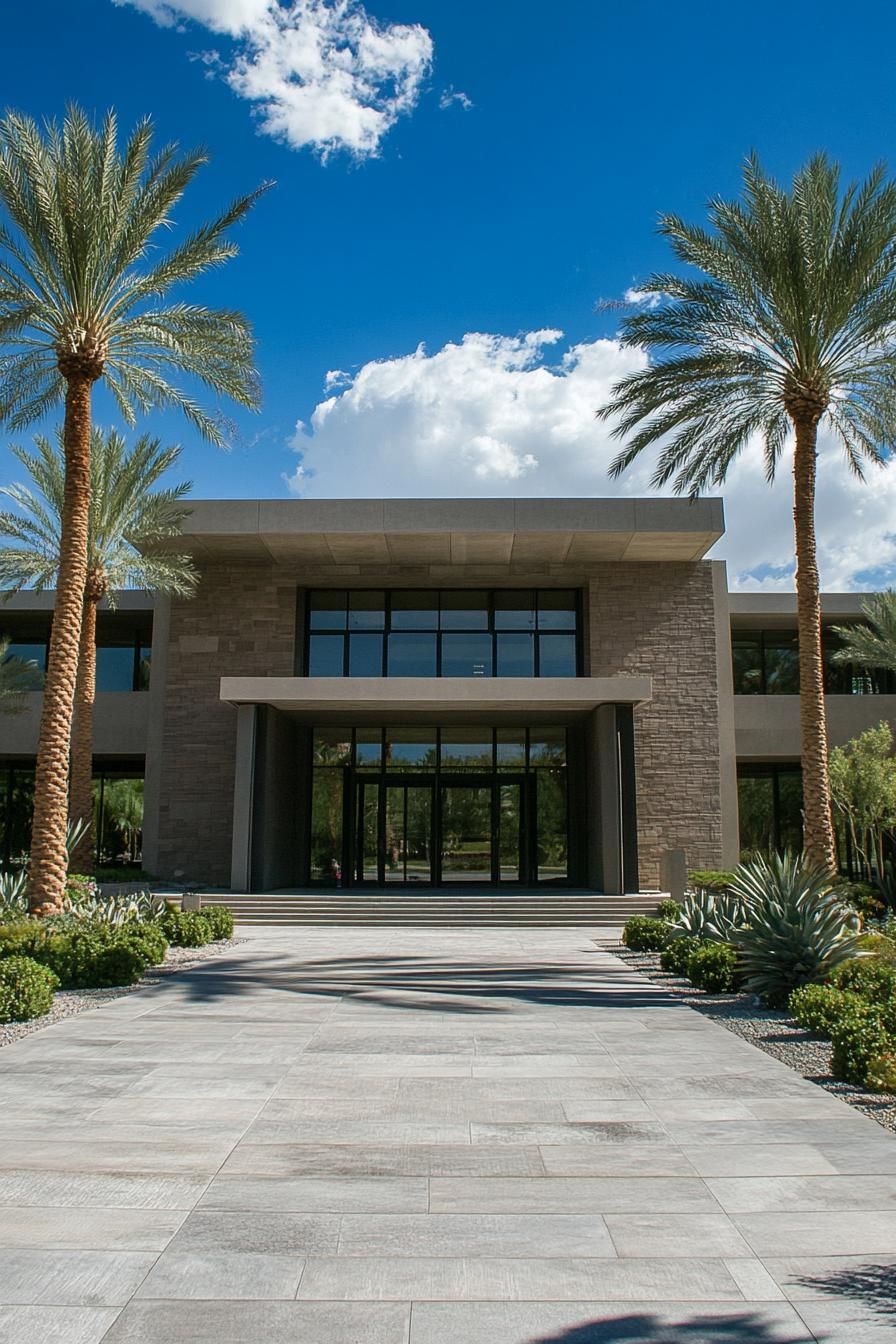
x: 460, y: 693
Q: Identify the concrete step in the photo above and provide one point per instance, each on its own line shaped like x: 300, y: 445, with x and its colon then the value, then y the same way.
x: 427, y: 908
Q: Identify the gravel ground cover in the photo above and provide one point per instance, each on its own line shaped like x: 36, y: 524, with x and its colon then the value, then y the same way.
x: 70, y: 1002
x: 771, y: 1030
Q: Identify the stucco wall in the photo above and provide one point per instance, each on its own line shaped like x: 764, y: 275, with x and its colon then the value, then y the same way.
x: 659, y: 620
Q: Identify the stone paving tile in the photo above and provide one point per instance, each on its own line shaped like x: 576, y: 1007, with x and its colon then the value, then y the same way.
x: 598, y: 1322
x: 407, y: 1136
x: 52, y: 1189
x: 55, y: 1325
x: 570, y: 1195
x: 360, y: 1278
x: 231, y: 1275
x: 242, y: 1322
x: 75, y: 1278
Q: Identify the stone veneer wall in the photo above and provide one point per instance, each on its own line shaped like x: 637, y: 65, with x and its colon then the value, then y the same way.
x: 242, y: 622
x: 651, y: 619
x: 658, y: 620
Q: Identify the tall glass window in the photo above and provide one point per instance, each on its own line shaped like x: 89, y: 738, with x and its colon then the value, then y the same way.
x: 442, y: 633
x: 766, y: 662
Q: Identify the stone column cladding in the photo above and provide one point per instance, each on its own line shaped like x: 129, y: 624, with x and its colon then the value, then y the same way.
x: 658, y: 619
x: 242, y: 620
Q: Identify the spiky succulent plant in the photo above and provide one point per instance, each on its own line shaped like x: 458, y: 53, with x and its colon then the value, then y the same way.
x: 796, y: 931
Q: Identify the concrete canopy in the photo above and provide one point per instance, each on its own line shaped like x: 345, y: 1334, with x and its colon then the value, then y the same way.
x: 504, y: 696
x: 452, y: 531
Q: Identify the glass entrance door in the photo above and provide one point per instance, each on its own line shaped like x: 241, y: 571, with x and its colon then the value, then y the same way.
x: 466, y: 833
x: 394, y: 832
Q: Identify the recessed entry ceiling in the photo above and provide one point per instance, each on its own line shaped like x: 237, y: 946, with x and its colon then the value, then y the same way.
x: 453, y: 532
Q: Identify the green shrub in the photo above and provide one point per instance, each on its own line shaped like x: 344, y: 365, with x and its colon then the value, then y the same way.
x: 819, y: 1007
x: 219, y: 919
x: 862, y: 897
x: 710, y: 879
x: 146, y: 938
x: 87, y: 959
x: 878, y: 945
x: 796, y: 930
x: 668, y: 909
x: 881, y: 1076
x: 26, y: 989
x: 21, y: 937
x: 185, y: 928
x: 677, y: 954
x: 714, y: 968
x: 874, y: 980
x: 859, y: 1039
x: 645, y: 935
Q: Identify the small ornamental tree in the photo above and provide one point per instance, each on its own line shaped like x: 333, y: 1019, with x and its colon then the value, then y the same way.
x: 863, y: 791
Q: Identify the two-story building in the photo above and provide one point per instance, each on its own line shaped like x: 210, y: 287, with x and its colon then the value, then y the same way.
x: 487, y: 694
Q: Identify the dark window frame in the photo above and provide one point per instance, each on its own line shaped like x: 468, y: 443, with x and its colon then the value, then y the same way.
x: 535, y: 632
x: 877, y: 681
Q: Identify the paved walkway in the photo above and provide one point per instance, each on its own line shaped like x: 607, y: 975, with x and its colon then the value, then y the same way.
x: 430, y: 1137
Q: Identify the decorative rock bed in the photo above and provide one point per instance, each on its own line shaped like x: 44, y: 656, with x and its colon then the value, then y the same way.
x: 70, y: 1002
x: 769, y: 1029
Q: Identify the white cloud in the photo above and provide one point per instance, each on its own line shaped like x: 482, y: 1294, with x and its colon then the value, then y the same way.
x: 451, y: 95
x: 644, y: 298
x: 321, y: 73
x: 491, y: 416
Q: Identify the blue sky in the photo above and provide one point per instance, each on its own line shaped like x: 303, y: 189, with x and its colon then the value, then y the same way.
x: 478, y: 231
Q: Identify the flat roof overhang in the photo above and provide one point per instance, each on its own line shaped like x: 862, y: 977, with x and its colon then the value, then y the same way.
x: 450, y: 531
x: 391, y: 696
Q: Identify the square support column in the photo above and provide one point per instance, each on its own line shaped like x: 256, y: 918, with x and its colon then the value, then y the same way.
x: 243, y: 798
x: 613, y: 840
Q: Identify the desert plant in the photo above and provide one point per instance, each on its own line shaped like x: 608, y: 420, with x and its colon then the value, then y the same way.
x: 26, y: 989
x: 863, y: 897
x: 797, y: 931
x: 18, y: 676
x: 819, y: 1007
x: 13, y: 894
x: 709, y: 915
x: 714, y: 968
x: 641, y: 934
x: 83, y: 303
x: 784, y: 324
x: 859, y: 1038
x: 677, y: 953
x: 128, y: 516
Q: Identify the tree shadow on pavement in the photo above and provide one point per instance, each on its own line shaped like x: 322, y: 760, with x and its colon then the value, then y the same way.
x: 872, y: 1284
x: 746, y: 1327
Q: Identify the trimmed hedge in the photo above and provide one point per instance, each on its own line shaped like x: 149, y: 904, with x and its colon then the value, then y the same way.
x: 86, y: 954
x: 185, y: 928
x: 874, y: 980
x: 641, y: 934
x: 819, y: 1007
x: 677, y: 953
x: 219, y: 918
x: 860, y: 1040
x: 668, y: 909
x: 710, y: 879
x: 26, y: 989
x: 714, y: 968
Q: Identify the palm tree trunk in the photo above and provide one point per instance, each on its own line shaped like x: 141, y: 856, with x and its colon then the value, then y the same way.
x: 80, y: 793
x: 818, y: 837
x: 48, y: 831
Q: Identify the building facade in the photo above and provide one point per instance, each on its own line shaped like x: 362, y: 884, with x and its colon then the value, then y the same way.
x: 459, y: 693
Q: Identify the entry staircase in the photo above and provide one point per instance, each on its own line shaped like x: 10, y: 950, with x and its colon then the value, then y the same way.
x: 444, y: 908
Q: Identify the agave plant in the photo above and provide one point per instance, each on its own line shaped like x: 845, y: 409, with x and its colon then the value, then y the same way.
x: 137, y: 906
x: 13, y: 894
x: 796, y: 930
x: 709, y: 914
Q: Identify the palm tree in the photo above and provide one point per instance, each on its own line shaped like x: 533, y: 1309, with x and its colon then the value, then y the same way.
x: 17, y: 677
x: 128, y: 517
x: 82, y: 302
x: 788, y: 326
x: 874, y: 644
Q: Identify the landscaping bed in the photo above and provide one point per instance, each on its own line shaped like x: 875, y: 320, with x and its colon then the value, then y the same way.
x: 771, y: 1029
x: 71, y: 1002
